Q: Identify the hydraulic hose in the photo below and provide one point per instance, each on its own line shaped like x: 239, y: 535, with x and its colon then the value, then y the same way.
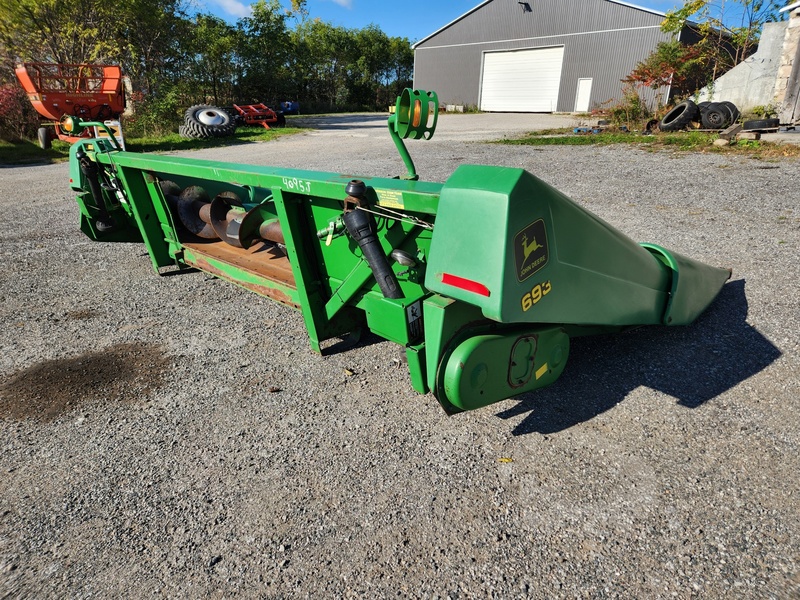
x: 362, y: 228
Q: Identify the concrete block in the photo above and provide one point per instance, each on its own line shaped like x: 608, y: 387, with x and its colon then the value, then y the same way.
x: 748, y: 135
x: 730, y: 132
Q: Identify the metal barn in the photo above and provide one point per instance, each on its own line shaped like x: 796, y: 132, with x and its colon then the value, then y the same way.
x: 539, y: 55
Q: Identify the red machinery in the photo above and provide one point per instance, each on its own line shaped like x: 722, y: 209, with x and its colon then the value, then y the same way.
x: 56, y: 91
x: 260, y: 114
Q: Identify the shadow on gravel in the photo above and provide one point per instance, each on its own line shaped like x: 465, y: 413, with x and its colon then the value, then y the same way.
x: 50, y: 389
x: 694, y: 364
x: 370, y: 121
x: 356, y: 339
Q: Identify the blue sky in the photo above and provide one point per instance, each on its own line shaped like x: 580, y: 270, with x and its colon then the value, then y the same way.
x: 413, y: 19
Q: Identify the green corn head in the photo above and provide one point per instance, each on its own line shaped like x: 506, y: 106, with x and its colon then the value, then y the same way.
x: 483, y: 279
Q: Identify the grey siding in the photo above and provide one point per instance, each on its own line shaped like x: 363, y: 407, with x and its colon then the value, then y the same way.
x: 602, y: 40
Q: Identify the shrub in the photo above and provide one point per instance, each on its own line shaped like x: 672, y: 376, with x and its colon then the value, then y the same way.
x: 630, y: 111
x: 765, y: 112
x: 682, y: 67
x: 155, y: 116
x: 18, y: 119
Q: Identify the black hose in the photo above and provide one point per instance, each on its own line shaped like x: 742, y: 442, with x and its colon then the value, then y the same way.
x: 362, y: 228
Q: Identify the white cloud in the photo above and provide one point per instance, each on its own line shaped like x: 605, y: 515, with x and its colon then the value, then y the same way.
x: 344, y: 3
x: 234, y: 8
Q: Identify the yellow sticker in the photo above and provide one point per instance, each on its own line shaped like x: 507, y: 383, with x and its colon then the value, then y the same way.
x: 542, y: 370
x: 390, y: 198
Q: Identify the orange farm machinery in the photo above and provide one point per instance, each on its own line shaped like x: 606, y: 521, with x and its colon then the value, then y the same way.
x: 58, y: 91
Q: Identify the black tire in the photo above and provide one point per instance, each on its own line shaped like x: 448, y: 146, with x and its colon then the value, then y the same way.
x: 701, y: 108
x: 207, y: 121
x: 761, y: 124
x: 281, y: 122
x: 679, y: 117
x: 192, y: 132
x: 735, y: 114
x: 729, y: 113
x: 44, y: 138
x: 716, y: 117
x: 226, y: 132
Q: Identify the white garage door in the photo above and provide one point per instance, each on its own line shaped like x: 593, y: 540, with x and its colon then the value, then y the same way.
x: 521, y: 80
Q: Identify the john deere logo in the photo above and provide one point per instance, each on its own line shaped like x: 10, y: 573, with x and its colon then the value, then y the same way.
x: 530, y: 249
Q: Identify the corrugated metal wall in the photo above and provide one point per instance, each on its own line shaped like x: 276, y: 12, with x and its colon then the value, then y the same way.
x: 602, y: 40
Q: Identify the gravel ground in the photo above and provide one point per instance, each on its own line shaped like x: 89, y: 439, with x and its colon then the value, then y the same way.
x: 175, y: 436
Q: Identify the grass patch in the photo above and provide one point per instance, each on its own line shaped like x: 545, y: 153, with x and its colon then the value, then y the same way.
x: 685, y: 141
x: 243, y: 135
x: 690, y: 140
x: 27, y: 152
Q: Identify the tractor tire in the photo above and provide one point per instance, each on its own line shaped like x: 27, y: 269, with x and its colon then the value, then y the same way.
x: 184, y: 133
x: 758, y: 124
x: 733, y: 110
x: 716, y: 117
x: 44, y: 138
x: 679, y: 117
x: 192, y: 132
x: 208, y: 121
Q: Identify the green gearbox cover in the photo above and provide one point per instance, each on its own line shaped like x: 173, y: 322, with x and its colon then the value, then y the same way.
x: 521, y: 251
x: 486, y: 368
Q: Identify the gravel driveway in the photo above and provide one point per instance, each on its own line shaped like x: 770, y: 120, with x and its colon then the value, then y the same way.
x: 175, y: 436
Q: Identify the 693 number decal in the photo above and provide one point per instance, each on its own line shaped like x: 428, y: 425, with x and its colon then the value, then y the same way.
x: 539, y: 291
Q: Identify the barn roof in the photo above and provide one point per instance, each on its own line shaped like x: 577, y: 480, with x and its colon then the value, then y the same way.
x: 482, y: 4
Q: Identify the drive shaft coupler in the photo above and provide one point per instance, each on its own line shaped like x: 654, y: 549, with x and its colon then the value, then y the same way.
x: 362, y: 228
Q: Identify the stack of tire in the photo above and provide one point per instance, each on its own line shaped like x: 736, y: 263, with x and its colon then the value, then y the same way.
x: 205, y: 121
x: 710, y: 115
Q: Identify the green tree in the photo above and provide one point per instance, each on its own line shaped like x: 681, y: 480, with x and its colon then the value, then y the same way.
x: 321, y: 63
x: 372, y: 50
x: 140, y: 35
x: 335, y: 68
x: 149, y: 37
x: 211, y: 52
x: 264, y: 52
x: 174, y: 61
x: 399, y: 72
x: 60, y: 31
